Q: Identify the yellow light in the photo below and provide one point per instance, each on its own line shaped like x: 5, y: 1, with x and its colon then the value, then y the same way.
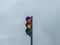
x: 28, y: 26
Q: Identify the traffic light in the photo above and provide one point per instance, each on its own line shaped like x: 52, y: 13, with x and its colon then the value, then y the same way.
x: 29, y: 26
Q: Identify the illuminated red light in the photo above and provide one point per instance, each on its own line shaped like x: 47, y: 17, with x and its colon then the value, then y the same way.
x: 29, y: 20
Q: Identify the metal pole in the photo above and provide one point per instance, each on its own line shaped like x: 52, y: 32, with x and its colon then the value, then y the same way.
x: 32, y: 31
x: 31, y: 41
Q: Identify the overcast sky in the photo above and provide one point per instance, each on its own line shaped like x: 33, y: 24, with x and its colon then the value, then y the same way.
x: 46, y: 22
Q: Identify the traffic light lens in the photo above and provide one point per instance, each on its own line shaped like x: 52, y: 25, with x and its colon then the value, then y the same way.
x: 28, y: 26
x: 29, y: 20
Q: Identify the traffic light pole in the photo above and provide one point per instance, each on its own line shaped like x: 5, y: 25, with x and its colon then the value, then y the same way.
x: 31, y: 41
x: 32, y: 31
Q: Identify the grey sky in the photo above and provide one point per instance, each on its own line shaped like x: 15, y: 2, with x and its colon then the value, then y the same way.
x: 46, y: 22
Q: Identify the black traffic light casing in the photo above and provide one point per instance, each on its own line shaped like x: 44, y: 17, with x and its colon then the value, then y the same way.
x: 29, y: 26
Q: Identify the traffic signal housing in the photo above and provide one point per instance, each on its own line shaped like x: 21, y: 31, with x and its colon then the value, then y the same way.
x: 29, y: 26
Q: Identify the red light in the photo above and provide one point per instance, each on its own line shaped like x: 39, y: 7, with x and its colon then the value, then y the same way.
x: 28, y: 19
